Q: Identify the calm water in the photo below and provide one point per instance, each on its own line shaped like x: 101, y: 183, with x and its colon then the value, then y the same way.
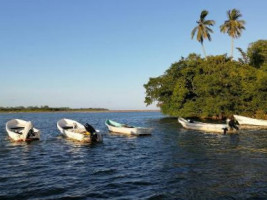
x: 173, y: 163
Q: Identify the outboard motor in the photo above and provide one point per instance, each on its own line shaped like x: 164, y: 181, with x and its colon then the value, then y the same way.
x: 31, y: 133
x: 27, y: 130
x: 99, y: 137
x: 92, y: 131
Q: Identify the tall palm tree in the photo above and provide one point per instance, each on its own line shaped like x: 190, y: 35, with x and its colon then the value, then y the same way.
x: 202, y: 29
x: 233, y: 26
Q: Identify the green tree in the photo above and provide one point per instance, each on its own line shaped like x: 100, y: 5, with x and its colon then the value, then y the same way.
x: 203, y: 30
x: 257, y: 54
x: 233, y: 26
x: 216, y: 86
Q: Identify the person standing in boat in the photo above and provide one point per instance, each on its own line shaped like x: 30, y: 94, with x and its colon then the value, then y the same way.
x: 232, y: 123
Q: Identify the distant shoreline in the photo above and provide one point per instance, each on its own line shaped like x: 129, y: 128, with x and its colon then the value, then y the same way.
x: 80, y: 111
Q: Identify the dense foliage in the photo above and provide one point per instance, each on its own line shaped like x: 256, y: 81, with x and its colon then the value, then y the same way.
x: 46, y: 109
x: 257, y: 54
x: 216, y: 86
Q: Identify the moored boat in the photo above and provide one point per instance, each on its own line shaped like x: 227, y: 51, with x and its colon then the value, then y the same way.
x: 126, y: 129
x: 243, y: 121
x: 76, y: 131
x: 20, y: 130
x: 207, y: 127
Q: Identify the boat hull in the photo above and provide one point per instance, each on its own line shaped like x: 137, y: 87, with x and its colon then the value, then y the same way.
x: 18, y: 136
x: 206, y: 127
x: 138, y: 131
x: 247, y: 121
x: 78, y: 133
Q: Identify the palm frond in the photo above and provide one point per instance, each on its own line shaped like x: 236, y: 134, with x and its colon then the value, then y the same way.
x: 229, y: 14
x: 203, y: 14
x: 236, y: 14
x: 209, y: 29
x: 232, y: 25
x: 193, y: 32
x: 223, y: 28
x: 209, y: 37
x: 244, y: 59
x: 200, y: 37
x: 209, y: 22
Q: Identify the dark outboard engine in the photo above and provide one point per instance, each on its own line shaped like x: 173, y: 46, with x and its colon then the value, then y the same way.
x: 92, y: 132
x: 31, y: 133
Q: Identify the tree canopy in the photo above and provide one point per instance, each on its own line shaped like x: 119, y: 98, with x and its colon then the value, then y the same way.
x: 257, y: 53
x: 197, y: 87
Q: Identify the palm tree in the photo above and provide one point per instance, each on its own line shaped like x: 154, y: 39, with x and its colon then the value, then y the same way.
x: 233, y: 26
x: 245, y: 58
x: 203, y: 30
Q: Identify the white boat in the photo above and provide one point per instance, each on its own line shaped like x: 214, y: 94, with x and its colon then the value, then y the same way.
x: 76, y: 131
x: 207, y: 127
x: 126, y: 129
x: 20, y: 130
x: 250, y: 121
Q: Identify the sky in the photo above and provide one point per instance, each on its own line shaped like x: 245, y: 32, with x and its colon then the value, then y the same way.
x: 100, y: 53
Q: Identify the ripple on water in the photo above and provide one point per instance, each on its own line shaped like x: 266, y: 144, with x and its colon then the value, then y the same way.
x: 172, y: 163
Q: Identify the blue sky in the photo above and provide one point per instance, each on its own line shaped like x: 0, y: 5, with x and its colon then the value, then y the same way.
x: 99, y: 53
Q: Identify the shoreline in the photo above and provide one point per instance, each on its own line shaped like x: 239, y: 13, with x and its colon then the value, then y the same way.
x: 80, y: 111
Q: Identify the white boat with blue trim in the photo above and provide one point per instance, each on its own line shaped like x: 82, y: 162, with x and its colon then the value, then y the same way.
x: 127, y: 129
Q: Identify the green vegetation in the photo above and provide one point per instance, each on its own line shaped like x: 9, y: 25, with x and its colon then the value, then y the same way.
x: 48, y: 109
x: 216, y: 86
x: 233, y: 26
x: 203, y: 30
x: 257, y: 53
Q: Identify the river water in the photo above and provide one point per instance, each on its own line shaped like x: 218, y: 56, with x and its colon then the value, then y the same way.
x: 173, y: 163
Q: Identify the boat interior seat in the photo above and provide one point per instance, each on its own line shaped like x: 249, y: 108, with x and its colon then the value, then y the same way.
x: 67, y: 127
x: 127, y: 126
x: 18, y: 132
x: 16, y: 128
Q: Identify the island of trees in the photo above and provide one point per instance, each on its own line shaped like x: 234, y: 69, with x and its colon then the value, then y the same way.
x: 214, y: 86
x: 49, y: 109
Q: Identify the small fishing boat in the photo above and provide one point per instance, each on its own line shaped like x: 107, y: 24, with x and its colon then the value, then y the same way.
x: 19, y: 130
x: 250, y: 121
x: 207, y: 127
x: 126, y: 129
x: 76, y: 131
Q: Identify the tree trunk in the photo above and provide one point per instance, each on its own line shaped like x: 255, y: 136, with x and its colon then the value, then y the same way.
x: 232, y: 48
x: 204, y: 50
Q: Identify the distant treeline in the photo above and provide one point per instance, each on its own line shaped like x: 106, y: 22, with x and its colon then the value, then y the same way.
x: 46, y: 109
